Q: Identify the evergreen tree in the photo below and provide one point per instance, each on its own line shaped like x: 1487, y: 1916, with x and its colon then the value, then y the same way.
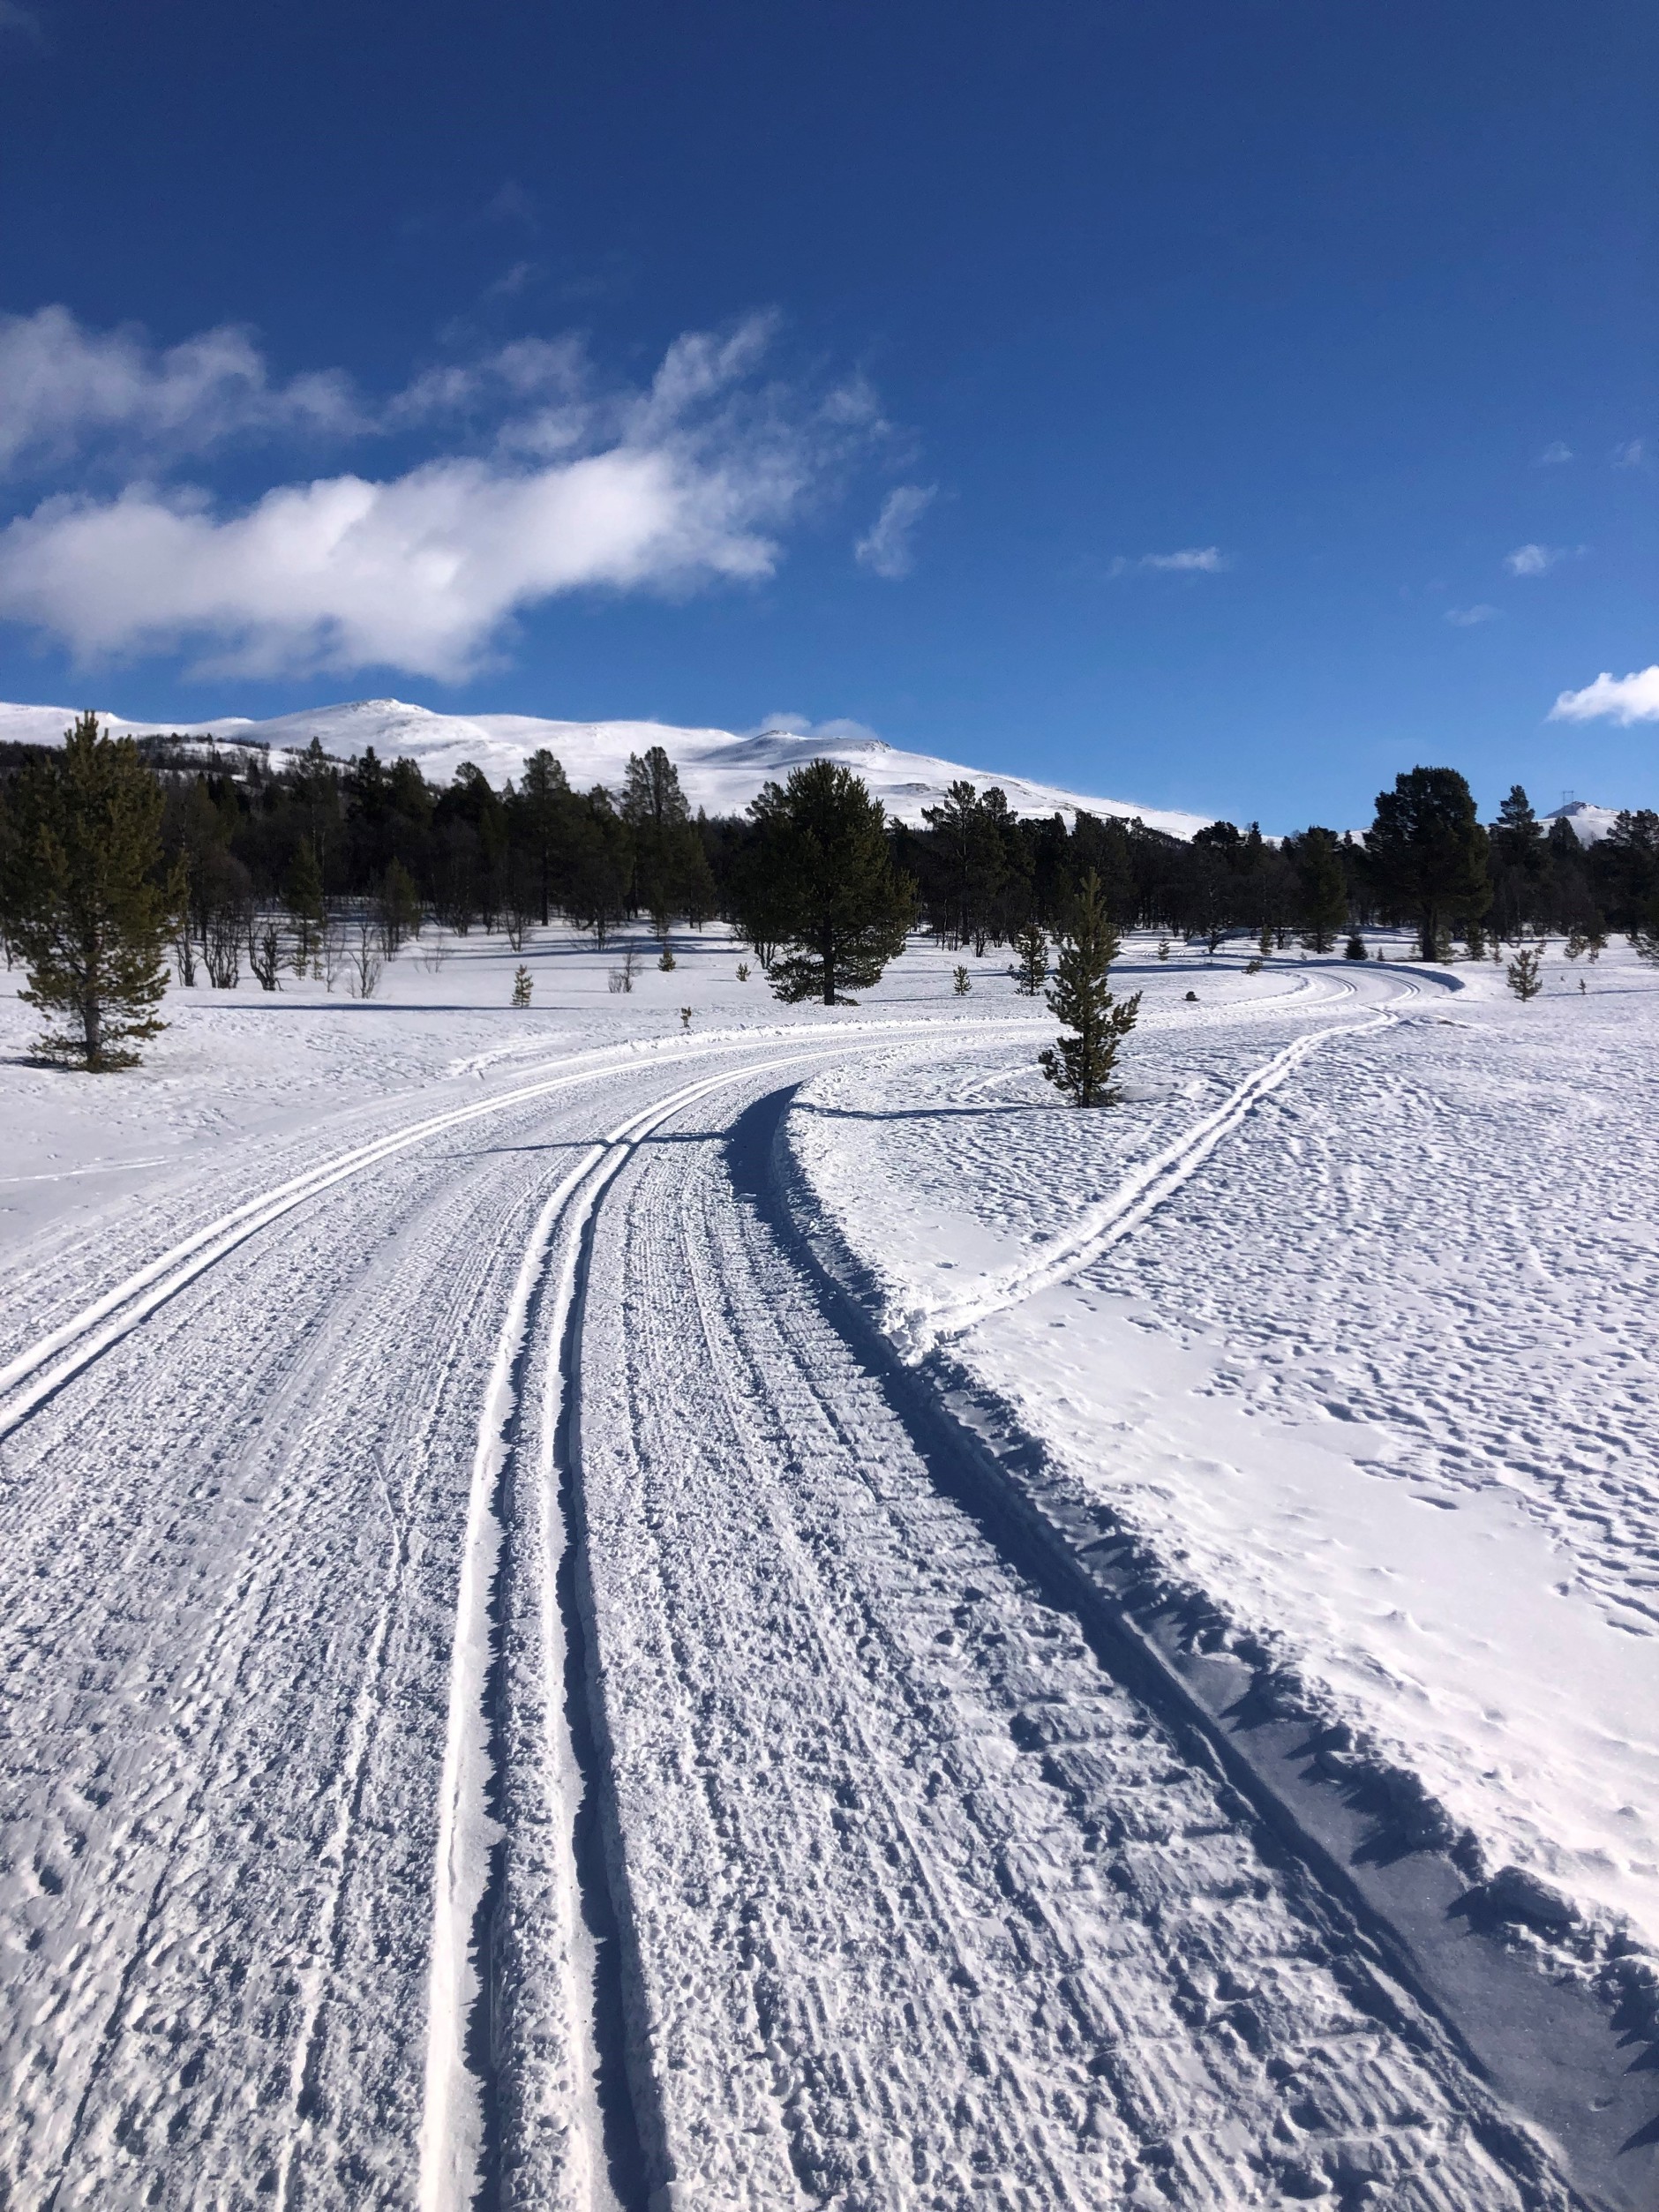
x: 602, y: 865
x: 1081, y: 1065
x: 397, y: 909
x: 822, y: 886
x: 303, y: 899
x: 89, y: 906
x: 1523, y: 975
x: 543, y: 821
x: 1322, y: 897
x: 1428, y: 854
x: 1029, y: 971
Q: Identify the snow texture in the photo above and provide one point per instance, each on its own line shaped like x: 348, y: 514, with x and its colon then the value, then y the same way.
x: 513, y: 1695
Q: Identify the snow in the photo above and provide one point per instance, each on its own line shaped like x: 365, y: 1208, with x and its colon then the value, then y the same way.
x: 720, y: 771
x: 503, y: 1687
x: 1377, y: 1381
x: 1590, y: 823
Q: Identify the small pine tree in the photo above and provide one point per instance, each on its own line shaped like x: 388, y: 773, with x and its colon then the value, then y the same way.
x: 743, y: 971
x: 961, y: 982
x: 1523, y: 975
x: 1080, y: 1066
x: 303, y: 899
x: 685, y: 1018
x: 522, y: 985
x: 1030, y: 970
x: 1355, y: 947
x: 667, y: 962
x: 88, y: 905
x: 1163, y: 948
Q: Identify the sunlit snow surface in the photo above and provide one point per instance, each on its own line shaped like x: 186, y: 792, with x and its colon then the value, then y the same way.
x: 1345, y: 1309
x: 1380, y: 1378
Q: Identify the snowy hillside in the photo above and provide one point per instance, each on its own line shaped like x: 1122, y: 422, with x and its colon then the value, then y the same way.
x: 719, y: 771
x: 1590, y: 823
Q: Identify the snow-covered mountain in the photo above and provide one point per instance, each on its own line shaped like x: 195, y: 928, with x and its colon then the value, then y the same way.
x: 718, y: 769
x: 1590, y: 823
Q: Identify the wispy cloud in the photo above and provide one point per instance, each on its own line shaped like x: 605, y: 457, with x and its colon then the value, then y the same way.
x: 887, y: 548
x: 566, y: 486
x: 1191, y: 560
x: 1556, y: 455
x: 1467, y: 618
x: 1624, y: 699
x: 1538, y: 561
x: 1634, y: 453
x: 68, y: 389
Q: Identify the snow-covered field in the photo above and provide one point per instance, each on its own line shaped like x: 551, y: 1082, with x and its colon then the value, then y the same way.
x: 616, y: 1613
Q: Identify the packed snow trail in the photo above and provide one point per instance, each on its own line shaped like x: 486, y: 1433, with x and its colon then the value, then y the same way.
x: 916, y: 1904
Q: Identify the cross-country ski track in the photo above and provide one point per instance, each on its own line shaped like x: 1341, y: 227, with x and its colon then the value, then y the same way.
x: 507, y: 1706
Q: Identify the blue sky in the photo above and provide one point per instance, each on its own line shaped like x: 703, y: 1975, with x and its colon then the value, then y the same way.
x: 1222, y: 406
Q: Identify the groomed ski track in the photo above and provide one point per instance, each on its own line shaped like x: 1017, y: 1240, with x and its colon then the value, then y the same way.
x: 505, y: 1708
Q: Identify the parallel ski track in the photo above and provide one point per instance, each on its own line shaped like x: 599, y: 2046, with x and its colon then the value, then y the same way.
x: 454, y: 2119
x: 867, y: 1940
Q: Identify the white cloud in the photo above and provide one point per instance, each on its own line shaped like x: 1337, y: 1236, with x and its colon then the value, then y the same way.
x: 1632, y: 454
x: 887, y: 547
x: 1191, y: 560
x: 66, y: 387
x: 1555, y: 456
x: 1533, y: 561
x: 1626, y: 698
x: 661, y: 490
x: 1465, y: 617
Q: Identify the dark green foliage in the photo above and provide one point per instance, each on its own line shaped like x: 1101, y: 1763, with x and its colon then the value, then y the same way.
x: 1523, y: 975
x: 1029, y: 971
x: 89, y: 903
x: 1354, y: 949
x: 1427, y: 853
x: 1081, y: 1065
x: 821, y: 888
x: 1321, y: 887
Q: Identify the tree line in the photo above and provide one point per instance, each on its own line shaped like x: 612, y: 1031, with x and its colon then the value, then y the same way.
x: 121, y: 858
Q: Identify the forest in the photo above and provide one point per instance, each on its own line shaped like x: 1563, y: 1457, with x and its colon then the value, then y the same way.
x: 276, y: 859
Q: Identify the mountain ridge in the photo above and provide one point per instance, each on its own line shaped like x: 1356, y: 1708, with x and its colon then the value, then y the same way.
x: 720, y: 770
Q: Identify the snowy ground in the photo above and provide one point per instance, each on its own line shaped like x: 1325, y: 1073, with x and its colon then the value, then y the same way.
x: 505, y: 1689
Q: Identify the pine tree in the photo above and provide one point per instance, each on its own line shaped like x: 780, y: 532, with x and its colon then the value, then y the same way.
x: 1428, y: 854
x: 544, y: 812
x: 821, y: 885
x: 961, y: 982
x: 397, y: 909
x: 522, y: 985
x: 303, y: 899
x: 1081, y: 1065
x: 1523, y: 975
x: 1322, y: 893
x: 1029, y: 971
x: 89, y: 908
